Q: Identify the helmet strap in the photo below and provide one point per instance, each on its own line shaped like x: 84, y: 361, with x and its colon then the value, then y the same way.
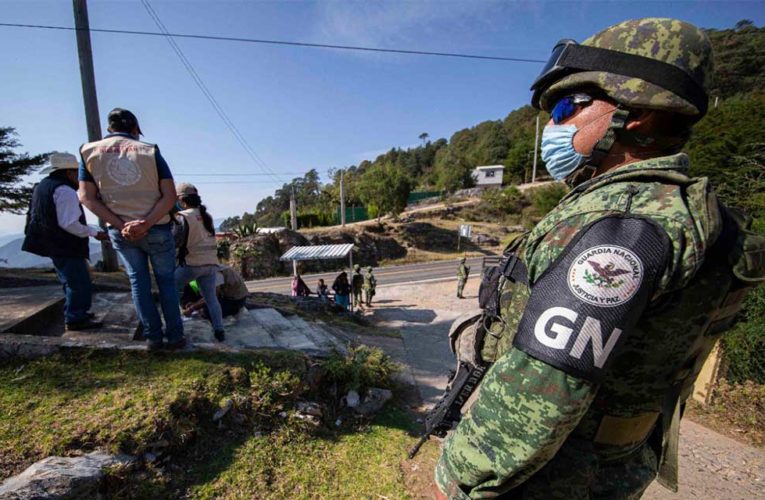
x: 601, y: 149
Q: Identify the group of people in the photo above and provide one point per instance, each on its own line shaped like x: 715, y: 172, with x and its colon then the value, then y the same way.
x: 343, y: 288
x: 153, y: 224
x: 602, y: 315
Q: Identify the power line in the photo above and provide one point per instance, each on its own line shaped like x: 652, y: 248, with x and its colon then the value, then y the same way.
x: 245, y: 174
x: 208, y: 94
x: 283, y: 43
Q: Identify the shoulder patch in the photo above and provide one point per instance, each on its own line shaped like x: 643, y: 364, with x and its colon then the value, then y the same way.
x: 605, y: 275
x: 583, y: 307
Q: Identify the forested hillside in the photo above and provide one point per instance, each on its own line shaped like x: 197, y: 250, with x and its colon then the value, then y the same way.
x: 728, y: 145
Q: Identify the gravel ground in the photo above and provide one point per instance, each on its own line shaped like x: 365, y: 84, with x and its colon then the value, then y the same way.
x: 711, y: 465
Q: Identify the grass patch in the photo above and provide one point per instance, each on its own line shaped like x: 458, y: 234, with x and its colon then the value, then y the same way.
x: 359, y: 463
x: 79, y: 401
x: 160, y: 409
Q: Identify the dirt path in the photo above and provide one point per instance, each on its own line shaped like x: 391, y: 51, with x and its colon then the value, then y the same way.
x: 711, y: 465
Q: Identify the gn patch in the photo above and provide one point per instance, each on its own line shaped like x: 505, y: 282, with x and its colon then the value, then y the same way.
x: 582, y: 308
x: 605, y: 275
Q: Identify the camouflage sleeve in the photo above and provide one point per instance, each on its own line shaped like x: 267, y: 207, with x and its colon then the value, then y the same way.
x: 524, y: 412
x: 579, y: 313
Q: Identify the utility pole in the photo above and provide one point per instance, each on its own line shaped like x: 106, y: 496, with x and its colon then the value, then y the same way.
x: 293, y: 222
x: 536, y: 141
x: 342, y: 198
x: 88, y: 78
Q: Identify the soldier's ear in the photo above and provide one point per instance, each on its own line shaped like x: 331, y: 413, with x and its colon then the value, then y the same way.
x: 644, y: 120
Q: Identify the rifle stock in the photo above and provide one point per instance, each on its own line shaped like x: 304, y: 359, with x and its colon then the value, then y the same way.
x: 447, y: 412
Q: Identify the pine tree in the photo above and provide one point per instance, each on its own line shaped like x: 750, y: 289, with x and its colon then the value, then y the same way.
x: 14, y: 196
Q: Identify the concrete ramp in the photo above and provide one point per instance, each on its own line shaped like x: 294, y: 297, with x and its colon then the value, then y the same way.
x: 324, y: 340
x: 283, y: 332
x: 29, y: 309
x: 242, y: 331
x: 39, y: 311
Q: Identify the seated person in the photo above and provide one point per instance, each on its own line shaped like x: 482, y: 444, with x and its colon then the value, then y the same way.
x: 232, y: 294
x: 322, y: 291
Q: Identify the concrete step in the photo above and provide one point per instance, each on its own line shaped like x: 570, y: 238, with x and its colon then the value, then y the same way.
x: 283, y: 332
x: 30, y: 310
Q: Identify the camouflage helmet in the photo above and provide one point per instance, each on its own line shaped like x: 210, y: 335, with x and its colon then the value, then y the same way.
x: 670, y: 41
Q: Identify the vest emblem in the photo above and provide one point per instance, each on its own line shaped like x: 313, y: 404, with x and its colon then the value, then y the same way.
x: 605, y: 275
x: 123, y: 171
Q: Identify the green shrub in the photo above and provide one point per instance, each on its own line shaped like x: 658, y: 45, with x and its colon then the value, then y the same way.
x: 363, y: 367
x: 545, y: 198
x: 744, y: 345
x: 505, y: 201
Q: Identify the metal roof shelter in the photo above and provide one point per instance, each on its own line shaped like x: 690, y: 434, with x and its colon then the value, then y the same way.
x: 320, y: 252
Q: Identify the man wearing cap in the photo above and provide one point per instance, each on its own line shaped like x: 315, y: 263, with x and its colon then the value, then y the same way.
x: 56, y: 228
x: 128, y: 184
x: 605, y: 312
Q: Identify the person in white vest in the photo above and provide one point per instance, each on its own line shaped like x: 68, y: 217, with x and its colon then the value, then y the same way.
x: 198, y: 252
x: 128, y: 184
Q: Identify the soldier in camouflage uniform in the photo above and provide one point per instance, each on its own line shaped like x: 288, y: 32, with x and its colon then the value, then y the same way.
x: 370, y: 286
x: 607, y: 309
x: 462, y: 275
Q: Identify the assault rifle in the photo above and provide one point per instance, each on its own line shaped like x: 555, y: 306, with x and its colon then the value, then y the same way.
x: 447, y: 412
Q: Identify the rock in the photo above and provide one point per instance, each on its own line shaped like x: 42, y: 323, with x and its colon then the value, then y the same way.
x: 61, y: 477
x: 374, y: 401
x: 484, y: 239
x: 352, y: 399
x: 310, y: 408
x: 222, y: 412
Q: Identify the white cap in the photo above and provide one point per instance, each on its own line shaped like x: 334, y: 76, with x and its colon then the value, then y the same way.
x: 61, y: 161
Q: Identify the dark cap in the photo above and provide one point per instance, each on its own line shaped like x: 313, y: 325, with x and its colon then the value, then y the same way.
x: 123, y: 120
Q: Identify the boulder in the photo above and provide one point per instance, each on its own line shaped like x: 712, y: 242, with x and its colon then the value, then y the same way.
x: 374, y: 401
x: 61, y: 477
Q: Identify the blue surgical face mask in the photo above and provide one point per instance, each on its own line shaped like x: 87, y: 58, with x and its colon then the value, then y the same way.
x: 558, y: 151
x: 178, y: 206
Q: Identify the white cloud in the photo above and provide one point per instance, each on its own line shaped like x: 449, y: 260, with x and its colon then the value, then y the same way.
x: 401, y: 24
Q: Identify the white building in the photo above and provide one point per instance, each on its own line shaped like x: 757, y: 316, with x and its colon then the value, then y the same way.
x: 488, y: 176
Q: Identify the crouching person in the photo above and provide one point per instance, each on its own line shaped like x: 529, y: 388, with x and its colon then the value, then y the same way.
x: 197, y: 254
x: 232, y: 294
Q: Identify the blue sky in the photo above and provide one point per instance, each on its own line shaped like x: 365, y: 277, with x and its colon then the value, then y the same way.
x: 298, y: 108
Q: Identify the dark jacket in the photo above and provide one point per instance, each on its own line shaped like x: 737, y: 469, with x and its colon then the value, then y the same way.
x: 43, y: 236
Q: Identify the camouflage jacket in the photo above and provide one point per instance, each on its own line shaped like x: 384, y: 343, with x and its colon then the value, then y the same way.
x: 627, y: 293
x: 463, y: 271
x: 370, y: 282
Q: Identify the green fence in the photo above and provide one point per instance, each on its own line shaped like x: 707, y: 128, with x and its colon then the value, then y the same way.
x: 416, y: 196
x: 353, y: 214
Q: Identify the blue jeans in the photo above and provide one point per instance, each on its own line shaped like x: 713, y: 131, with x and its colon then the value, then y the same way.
x: 205, y: 276
x: 78, y: 296
x: 157, y: 247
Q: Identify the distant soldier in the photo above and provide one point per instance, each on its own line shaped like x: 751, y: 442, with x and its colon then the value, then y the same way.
x: 357, y: 284
x: 370, y: 285
x: 462, y: 276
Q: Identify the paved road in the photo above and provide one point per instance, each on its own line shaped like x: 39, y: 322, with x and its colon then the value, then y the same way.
x: 392, y: 275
